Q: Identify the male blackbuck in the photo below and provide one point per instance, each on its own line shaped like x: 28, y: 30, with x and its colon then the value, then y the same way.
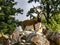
x: 29, y: 23
x: 32, y: 21
x: 32, y: 24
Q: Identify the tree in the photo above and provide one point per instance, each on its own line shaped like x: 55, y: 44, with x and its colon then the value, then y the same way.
x: 50, y: 9
x: 7, y: 11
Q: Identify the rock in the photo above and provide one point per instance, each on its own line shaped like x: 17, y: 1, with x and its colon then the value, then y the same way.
x: 58, y: 41
x: 34, y: 38
x: 53, y: 37
x: 39, y: 27
x: 28, y: 43
x: 56, y: 38
x: 29, y: 28
x: 40, y: 40
x: 21, y: 43
x: 28, y: 39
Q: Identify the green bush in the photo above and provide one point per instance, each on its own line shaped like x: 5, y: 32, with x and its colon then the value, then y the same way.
x: 54, y: 23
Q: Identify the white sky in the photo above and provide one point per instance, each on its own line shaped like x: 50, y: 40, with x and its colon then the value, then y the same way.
x: 25, y: 6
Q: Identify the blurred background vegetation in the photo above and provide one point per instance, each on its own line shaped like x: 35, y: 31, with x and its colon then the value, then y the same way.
x: 7, y: 11
x: 50, y: 15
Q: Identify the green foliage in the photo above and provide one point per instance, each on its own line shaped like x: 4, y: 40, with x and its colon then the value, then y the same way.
x: 49, y: 8
x: 43, y: 20
x: 7, y: 10
x: 54, y: 23
x: 30, y: 13
x: 57, y: 18
x: 51, y: 11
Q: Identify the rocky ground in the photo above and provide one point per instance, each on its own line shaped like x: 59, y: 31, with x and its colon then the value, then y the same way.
x: 47, y: 37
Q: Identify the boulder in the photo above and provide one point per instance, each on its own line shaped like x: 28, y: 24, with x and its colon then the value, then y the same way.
x: 53, y: 37
x: 40, y: 40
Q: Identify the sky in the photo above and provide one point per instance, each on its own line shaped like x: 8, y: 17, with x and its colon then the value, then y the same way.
x: 26, y: 7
